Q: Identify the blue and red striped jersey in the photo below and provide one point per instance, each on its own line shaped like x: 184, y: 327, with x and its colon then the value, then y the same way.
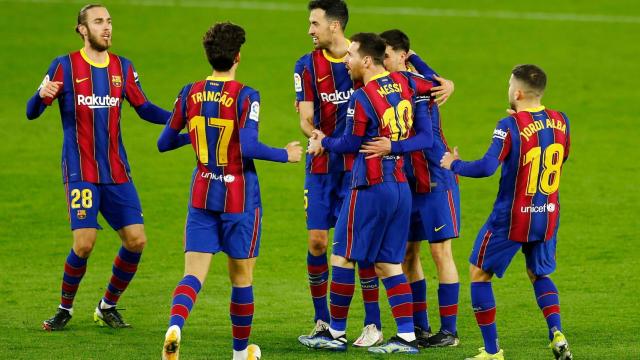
x: 325, y: 80
x: 383, y: 108
x: 423, y: 169
x: 90, y: 100
x: 214, y: 110
x: 532, y: 146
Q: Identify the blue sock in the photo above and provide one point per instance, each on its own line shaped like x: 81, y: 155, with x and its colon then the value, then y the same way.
x: 549, y: 302
x: 184, y: 296
x: 342, y: 287
x: 241, y: 311
x: 74, y: 269
x: 124, y: 268
x: 318, y: 271
x: 448, y: 302
x: 419, y: 296
x: 484, y: 307
x: 370, y: 289
x: 400, y: 301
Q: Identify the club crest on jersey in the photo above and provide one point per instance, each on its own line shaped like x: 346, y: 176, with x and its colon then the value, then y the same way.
x: 297, y: 82
x: 254, y: 114
x: 82, y: 214
x: 116, y: 80
x: 336, y: 97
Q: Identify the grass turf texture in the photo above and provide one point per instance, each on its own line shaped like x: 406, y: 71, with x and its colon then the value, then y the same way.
x: 592, y: 70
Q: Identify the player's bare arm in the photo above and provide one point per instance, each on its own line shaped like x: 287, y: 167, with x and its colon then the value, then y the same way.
x: 305, y: 110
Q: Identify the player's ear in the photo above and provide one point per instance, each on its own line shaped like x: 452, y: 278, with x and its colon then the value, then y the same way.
x: 237, y: 59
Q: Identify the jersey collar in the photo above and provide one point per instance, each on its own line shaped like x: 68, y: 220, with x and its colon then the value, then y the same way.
x: 219, y: 78
x: 378, y: 76
x: 93, y: 63
x: 535, y: 109
x: 331, y: 58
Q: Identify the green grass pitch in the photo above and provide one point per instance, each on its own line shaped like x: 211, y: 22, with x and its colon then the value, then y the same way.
x: 589, y: 50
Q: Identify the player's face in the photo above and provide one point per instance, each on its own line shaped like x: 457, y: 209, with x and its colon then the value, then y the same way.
x: 320, y: 29
x: 394, y: 60
x: 98, y: 28
x: 354, y: 62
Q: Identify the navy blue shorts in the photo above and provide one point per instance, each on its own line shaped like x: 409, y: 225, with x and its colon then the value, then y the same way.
x: 118, y: 203
x: 493, y: 252
x: 324, y: 195
x: 235, y: 234
x: 374, y: 224
x: 435, y: 216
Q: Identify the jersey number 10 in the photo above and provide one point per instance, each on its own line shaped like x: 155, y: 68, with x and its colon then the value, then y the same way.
x: 198, y: 124
x: 399, y: 119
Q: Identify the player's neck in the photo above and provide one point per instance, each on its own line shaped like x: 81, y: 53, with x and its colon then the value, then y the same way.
x: 371, y: 72
x: 338, y: 47
x: 531, y: 104
x: 98, y: 57
x: 228, y: 75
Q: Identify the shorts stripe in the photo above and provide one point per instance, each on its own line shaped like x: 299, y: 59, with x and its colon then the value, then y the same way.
x: 452, y: 210
x: 350, y: 222
x: 256, y: 229
x: 483, y: 249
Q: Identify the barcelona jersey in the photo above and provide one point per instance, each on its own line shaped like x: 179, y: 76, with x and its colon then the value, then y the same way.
x: 90, y: 100
x: 532, y: 146
x: 326, y: 82
x: 214, y: 110
x: 383, y: 108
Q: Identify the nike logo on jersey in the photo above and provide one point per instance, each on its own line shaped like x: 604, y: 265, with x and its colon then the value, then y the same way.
x: 78, y: 81
x: 439, y: 228
x: 323, y: 78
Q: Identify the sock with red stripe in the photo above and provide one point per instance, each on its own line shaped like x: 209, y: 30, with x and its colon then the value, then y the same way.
x: 241, y: 311
x: 401, y: 302
x: 549, y: 303
x: 342, y: 287
x: 448, y: 301
x: 419, y: 296
x: 125, y: 266
x: 74, y: 269
x: 318, y: 270
x: 370, y: 290
x: 184, y: 296
x: 484, y: 307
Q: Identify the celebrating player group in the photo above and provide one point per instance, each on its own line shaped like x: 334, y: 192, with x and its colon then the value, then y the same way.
x: 378, y: 170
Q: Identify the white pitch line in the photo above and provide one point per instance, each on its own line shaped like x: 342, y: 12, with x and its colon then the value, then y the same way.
x: 376, y: 10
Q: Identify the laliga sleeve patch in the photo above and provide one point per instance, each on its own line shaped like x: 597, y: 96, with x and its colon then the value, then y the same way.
x: 297, y: 82
x: 44, y: 81
x: 254, y: 114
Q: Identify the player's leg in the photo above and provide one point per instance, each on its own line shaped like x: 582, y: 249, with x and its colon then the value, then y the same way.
x: 412, y: 267
x: 444, y: 208
x: 492, y: 252
x: 196, y: 268
x: 201, y: 240
x: 319, y: 221
x: 121, y: 208
x: 389, y: 256
x: 541, y: 262
x: 83, y: 200
x: 241, y: 308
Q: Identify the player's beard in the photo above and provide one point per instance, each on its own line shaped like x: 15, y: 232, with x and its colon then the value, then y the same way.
x: 98, y: 43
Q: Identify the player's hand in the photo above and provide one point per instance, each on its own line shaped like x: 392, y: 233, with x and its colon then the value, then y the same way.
x: 318, y: 134
x: 448, y: 158
x: 49, y: 89
x: 443, y: 91
x: 315, y: 146
x: 294, y: 151
x: 379, y: 147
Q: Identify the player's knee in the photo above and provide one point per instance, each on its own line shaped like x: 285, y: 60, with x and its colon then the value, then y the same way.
x: 241, y: 279
x: 136, y: 242
x: 83, y: 248
x: 318, y: 243
x: 479, y: 275
x: 533, y: 277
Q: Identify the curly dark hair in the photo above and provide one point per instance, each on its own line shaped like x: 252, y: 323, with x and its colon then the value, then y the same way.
x: 222, y: 44
x: 333, y: 9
